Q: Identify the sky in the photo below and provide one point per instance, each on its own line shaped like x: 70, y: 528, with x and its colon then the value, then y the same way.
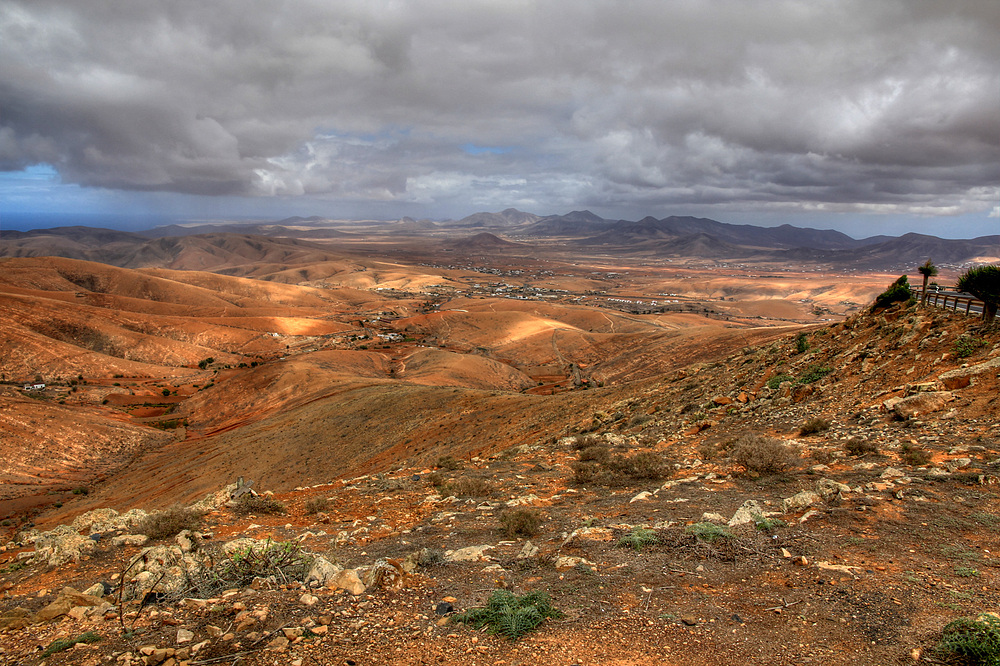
x: 869, y: 116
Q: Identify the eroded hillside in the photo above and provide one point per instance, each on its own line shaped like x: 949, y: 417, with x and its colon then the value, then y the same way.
x: 245, y: 376
x: 829, y: 498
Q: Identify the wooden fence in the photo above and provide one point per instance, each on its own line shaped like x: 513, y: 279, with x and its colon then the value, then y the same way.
x: 952, y: 301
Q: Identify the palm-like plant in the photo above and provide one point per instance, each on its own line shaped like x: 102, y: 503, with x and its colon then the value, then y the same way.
x: 983, y: 282
x: 928, y: 270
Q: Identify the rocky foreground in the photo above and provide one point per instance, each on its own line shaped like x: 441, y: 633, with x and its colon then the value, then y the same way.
x: 831, y: 499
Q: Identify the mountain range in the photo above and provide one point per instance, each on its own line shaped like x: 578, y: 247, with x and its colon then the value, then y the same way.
x: 673, y: 236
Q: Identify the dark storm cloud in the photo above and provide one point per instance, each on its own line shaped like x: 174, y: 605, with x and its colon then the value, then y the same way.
x: 839, y: 105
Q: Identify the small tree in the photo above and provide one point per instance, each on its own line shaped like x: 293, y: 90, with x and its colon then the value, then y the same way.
x: 896, y: 292
x: 983, y: 282
x: 928, y: 270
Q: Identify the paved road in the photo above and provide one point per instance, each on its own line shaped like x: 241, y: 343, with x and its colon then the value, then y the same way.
x: 975, y: 309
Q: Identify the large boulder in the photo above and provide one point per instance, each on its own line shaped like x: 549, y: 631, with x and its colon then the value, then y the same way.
x: 67, y: 600
x: 468, y: 554
x: 748, y: 513
x: 962, y: 377
x: 384, y: 573
x: 323, y: 571
x: 214, y: 500
x: 800, y: 501
x: 61, y: 545
x: 348, y: 580
x: 98, y: 520
x: 107, y: 520
x: 921, y: 403
x: 162, y: 569
x: 15, y: 618
x: 829, y: 488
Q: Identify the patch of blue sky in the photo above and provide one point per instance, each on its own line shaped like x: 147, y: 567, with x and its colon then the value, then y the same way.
x: 34, y: 172
x: 473, y: 149
x: 386, y: 133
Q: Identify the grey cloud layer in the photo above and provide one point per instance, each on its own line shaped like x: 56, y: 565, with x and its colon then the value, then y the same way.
x: 871, y: 104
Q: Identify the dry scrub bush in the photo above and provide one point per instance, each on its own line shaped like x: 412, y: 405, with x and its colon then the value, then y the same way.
x: 581, y: 442
x: 913, y: 455
x: 520, y: 522
x: 814, y: 425
x: 596, y: 452
x: 282, y: 561
x: 317, y: 505
x: 617, y: 470
x: 449, y: 463
x: 821, y: 456
x: 165, y: 524
x: 467, y: 486
x: 257, y: 504
x: 639, y: 419
x: 859, y: 447
x: 762, y: 454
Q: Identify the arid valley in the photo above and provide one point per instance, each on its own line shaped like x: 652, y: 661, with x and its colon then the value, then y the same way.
x: 402, y: 387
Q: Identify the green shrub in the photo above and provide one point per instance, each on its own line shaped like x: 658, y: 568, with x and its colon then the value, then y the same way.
x: 801, y: 343
x: 774, y: 382
x: 814, y: 373
x: 168, y: 522
x: 762, y: 454
x: 966, y: 572
x: 520, y: 522
x: 61, y: 644
x: 977, y: 640
x: 814, y: 425
x: 639, y: 537
x: 510, y: 615
x: 709, y: 532
x: 765, y: 524
x: 985, y: 518
x: 966, y: 345
x: 898, y: 291
x: 257, y: 504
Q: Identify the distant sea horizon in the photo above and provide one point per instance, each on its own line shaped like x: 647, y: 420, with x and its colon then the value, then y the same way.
x: 117, y: 221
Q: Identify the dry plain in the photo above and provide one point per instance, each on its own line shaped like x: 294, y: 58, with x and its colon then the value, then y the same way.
x: 421, y: 389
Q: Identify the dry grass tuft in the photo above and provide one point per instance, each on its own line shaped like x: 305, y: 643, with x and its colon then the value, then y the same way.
x: 762, y: 454
x: 169, y: 522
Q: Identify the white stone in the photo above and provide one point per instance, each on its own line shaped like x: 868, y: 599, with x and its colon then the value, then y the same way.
x: 746, y: 513
x: 801, y: 500
x: 468, y: 554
